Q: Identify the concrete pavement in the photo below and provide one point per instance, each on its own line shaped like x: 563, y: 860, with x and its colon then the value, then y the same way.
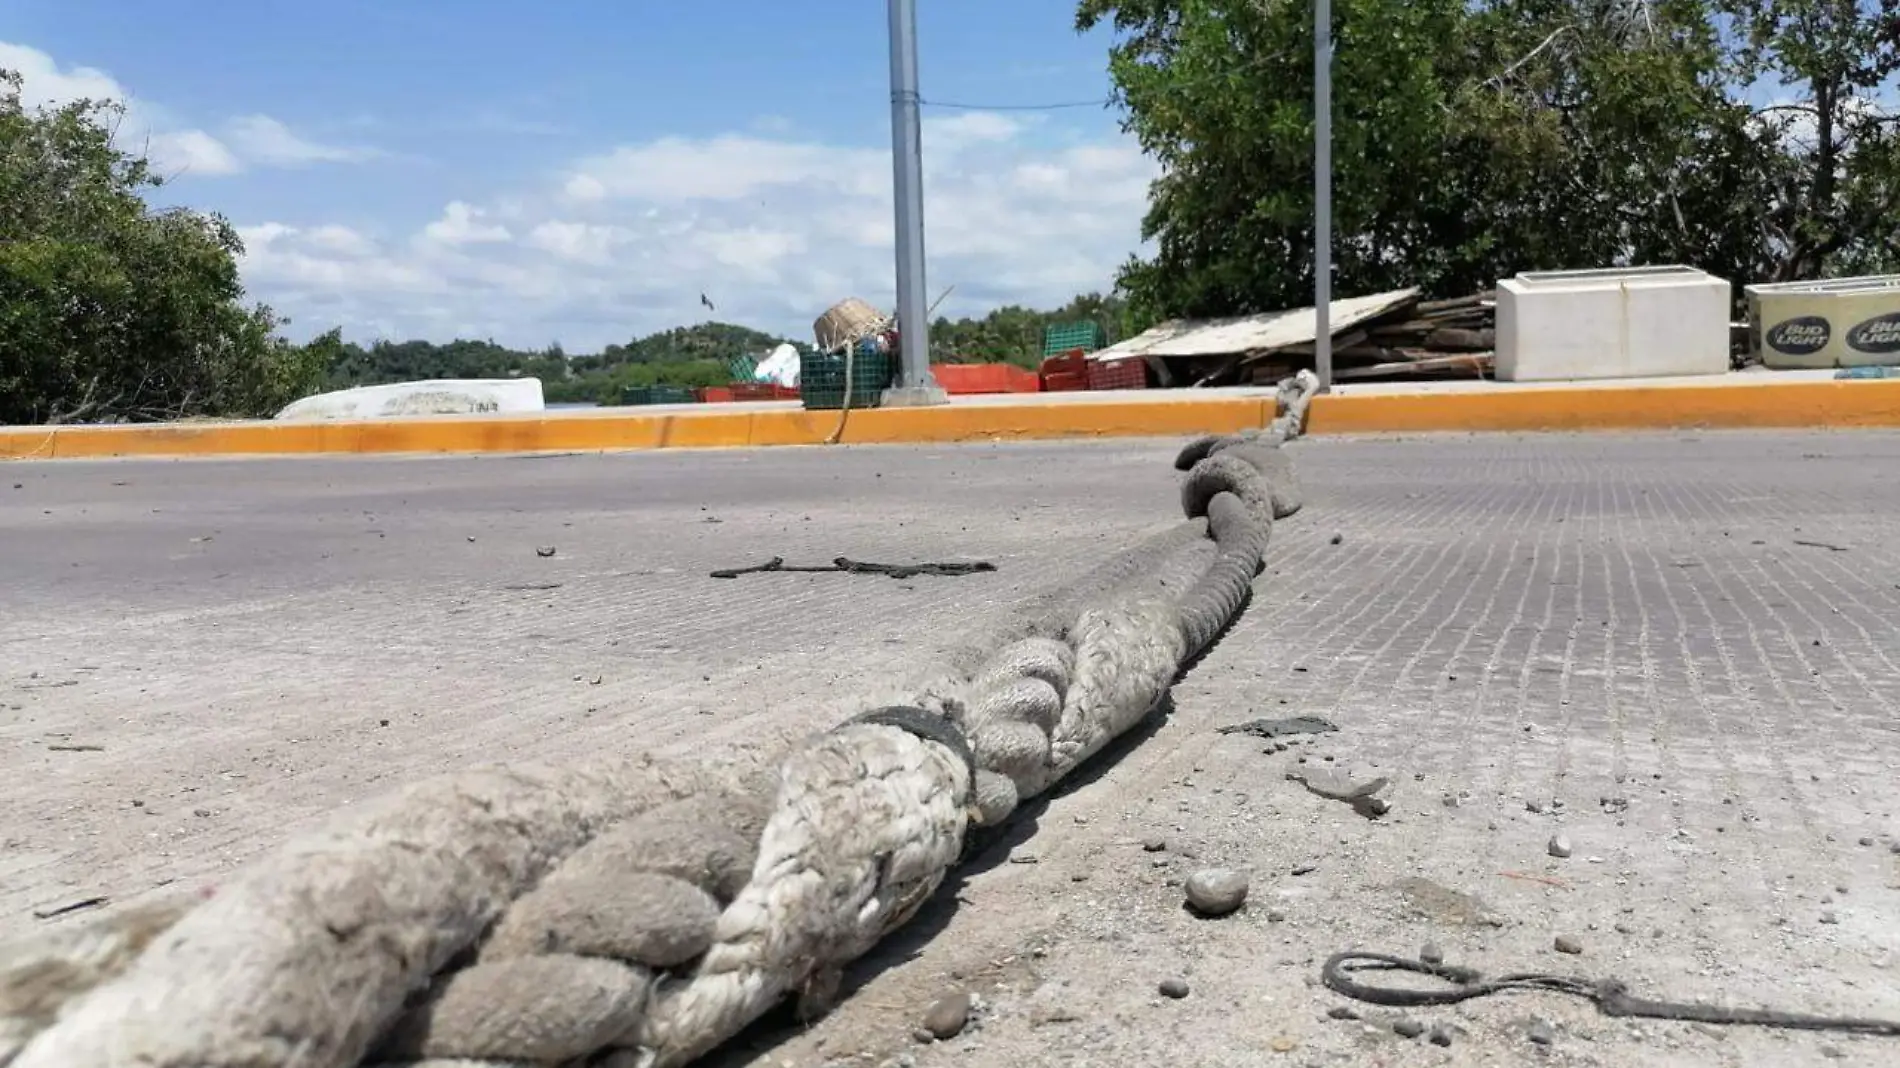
x: 1674, y: 649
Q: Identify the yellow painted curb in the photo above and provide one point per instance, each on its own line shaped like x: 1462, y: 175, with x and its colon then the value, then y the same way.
x: 1826, y: 404
x: 713, y: 427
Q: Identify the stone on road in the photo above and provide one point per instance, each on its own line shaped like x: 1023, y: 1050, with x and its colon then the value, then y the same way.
x: 1525, y: 624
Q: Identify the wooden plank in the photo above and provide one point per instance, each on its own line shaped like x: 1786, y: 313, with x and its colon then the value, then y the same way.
x: 1473, y: 364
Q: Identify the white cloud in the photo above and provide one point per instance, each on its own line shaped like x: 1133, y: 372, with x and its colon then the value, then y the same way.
x: 622, y: 242
x: 575, y: 242
x: 266, y: 141
x: 461, y: 224
x: 174, y: 147
x: 177, y: 153
x: 727, y: 167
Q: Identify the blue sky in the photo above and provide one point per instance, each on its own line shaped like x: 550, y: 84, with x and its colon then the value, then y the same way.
x: 580, y: 172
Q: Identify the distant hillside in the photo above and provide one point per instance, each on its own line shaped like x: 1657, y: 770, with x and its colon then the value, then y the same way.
x: 684, y: 344
x: 697, y: 355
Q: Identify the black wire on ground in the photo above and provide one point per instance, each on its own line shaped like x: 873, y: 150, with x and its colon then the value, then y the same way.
x: 1611, y: 996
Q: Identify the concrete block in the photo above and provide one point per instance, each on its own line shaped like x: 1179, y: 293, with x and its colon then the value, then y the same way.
x: 1637, y: 322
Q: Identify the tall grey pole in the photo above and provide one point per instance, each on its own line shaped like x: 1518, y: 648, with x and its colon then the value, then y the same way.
x: 916, y: 385
x: 1323, y: 191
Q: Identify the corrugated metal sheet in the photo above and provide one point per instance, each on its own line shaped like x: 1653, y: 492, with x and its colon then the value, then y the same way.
x: 1250, y: 333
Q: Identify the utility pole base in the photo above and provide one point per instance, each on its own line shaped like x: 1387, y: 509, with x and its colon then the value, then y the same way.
x: 927, y: 395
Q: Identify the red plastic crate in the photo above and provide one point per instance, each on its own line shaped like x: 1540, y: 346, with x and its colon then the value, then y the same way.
x: 1072, y: 362
x: 1128, y: 372
x: 1064, y: 381
x: 715, y: 394
x: 762, y: 391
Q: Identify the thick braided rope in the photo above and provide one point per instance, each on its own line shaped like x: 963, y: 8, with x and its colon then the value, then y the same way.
x: 511, y: 917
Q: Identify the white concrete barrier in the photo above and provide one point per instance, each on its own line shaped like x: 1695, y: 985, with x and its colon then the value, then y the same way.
x: 441, y: 396
x: 1836, y: 322
x: 1635, y: 322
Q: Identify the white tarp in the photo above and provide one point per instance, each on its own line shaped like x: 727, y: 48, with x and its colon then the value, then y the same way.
x: 1253, y: 333
x: 440, y: 396
x: 780, y: 368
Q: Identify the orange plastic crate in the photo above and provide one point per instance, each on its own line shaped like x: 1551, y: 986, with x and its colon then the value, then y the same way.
x: 968, y: 378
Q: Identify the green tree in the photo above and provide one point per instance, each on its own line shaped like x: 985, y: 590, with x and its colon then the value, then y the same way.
x: 1836, y: 65
x: 1013, y: 334
x: 1477, y: 138
x: 111, y: 311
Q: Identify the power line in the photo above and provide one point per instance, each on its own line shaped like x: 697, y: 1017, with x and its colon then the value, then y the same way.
x: 1061, y: 105
x: 1257, y: 63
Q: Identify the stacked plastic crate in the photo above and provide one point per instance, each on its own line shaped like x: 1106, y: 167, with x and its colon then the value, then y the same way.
x: 821, y: 376
x: 1065, y: 349
x: 1066, y: 366
x: 637, y: 395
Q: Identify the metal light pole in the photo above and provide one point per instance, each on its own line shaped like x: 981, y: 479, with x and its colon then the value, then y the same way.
x: 1323, y: 192
x: 916, y: 385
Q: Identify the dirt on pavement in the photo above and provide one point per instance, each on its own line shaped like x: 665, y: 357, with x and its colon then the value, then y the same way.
x: 1674, y: 651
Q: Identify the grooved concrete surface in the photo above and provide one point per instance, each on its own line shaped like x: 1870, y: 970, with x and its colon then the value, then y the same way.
x: 1676, y: 650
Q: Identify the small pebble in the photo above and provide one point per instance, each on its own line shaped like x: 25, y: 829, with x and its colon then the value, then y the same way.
x: 1342, y: 1012
x: 1440, y: 1036
x: 947, y: 1016
x: 1541, y: 1034
x: 1154, y: 845
x: 1216, y: 891
x: 1406, y: 1027
x: 544, y: 550
x: 1567, y: 944
x: 1866, y: 841
x: 1276, y: 916
x: 1173, y: 988
x: 1829, y: 917
x: 1431, y: 954
x: 1534, y: 806
x: 1559, y: 846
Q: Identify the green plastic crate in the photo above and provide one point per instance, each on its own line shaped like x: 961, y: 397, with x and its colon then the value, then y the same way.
x: 1061, y: 337
x: 742, y: 367
x: 657, y: 395
x: 821, y: 379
